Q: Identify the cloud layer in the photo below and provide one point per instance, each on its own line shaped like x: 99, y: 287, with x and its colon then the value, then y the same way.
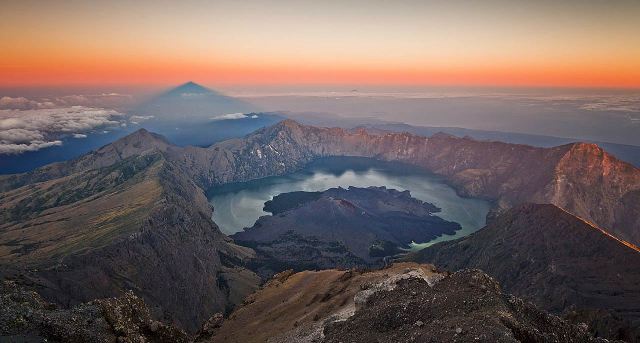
x: 105, y: 100
x: 24, y: 130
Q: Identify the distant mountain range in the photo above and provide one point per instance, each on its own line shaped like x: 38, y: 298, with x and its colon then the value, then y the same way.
x: 133, y: 215
x: 191, y: 114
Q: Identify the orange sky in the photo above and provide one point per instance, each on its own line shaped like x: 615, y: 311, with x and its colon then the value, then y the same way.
x: 571, y: 43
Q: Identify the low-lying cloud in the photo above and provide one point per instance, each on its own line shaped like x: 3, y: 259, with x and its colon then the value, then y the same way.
x: 232, y: 116
x: 614, y: 104
x: 21, y: 103
x: 105, y: 100
x: 136, y: 119
x: 24, y: 130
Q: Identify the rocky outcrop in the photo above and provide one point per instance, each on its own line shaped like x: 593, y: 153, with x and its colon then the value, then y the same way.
x: 402, y: 303
x: 556, y: 260
x: 26, y: 317
x: 467, y: 306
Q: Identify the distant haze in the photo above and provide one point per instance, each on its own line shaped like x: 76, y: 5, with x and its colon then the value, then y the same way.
x: 598, y: 115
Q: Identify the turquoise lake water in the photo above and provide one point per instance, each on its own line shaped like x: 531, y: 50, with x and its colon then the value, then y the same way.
x: 239, y: 205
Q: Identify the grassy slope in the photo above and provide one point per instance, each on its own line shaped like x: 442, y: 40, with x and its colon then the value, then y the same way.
x: 51, y: 219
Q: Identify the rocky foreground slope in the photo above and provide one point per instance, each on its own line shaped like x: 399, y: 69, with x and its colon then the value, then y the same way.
x: 405, y: 302
x: 559, y: 262
x: 402, y: 303
x: 26, y: 317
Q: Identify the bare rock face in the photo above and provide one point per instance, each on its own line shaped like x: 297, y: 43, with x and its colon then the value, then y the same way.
x: 556, y: 260
x: 209, y: 328
x: 467, y: 306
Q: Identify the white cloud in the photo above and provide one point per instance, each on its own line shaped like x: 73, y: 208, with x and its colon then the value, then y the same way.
x: 229, y: 116
x: 9, y: 148
x: 135, y: 119
x: 34, y: 129
x: 108, y: 100
x: 20, y: 136
x: 94, y: 100
x: 21, y: 103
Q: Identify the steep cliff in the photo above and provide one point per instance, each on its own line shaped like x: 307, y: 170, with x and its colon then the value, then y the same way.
x: 579, y: 177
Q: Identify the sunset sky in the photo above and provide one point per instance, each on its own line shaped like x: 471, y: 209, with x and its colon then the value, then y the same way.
x: 506, y: 43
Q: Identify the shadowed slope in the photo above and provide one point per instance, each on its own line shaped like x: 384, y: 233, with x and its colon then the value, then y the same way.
x: 546, y: 255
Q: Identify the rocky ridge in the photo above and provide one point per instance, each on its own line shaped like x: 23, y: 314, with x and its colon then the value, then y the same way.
x: 580, y: 178
x: 556, y: 260
x: 402, y: 303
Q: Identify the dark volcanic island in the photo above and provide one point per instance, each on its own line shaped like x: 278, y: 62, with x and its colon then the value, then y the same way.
x: 340, y: 228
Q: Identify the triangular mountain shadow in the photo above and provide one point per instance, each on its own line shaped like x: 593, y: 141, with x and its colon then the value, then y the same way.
x: 191, y: 114
x: 191, y: 102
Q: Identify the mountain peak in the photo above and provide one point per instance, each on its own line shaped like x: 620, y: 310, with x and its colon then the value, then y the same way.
x: 191, y: 87
x: 290, y: 123
x: 144, y: 134
x: 138, y: 142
